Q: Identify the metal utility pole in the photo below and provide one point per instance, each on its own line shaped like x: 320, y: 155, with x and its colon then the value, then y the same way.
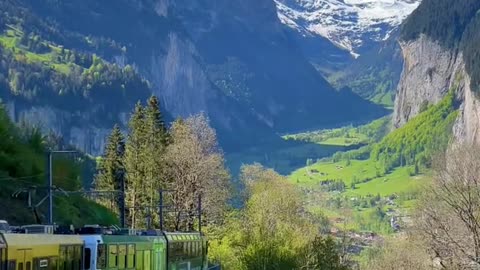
x: 50, y: 189
x: 199, y: 212
x: 122, y: 203
x: 50, y: 183
x: 160, y: 209
x: 149, y: 218
x: 162, y: 206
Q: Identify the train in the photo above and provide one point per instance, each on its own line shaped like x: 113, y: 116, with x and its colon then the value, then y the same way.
x: 39, y: 247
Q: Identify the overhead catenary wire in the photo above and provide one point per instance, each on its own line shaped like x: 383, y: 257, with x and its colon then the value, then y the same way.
x: 22, y: 179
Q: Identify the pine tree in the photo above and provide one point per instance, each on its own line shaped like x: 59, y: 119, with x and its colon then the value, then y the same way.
x: 134, y: 161
x: 111, y: 169
x: 156, y: 140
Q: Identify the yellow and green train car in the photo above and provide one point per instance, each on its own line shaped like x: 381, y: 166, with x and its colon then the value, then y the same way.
x: 98, y: 251
x: 40, y: 252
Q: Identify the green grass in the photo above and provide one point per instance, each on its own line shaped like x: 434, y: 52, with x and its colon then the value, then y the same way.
x: 384, y: 99
x: 8, y: 41
x: 345, y: 136
x: 356, y: 139
x: 358, y: 217
x: 358, y: 169
x: 336, y: 137
x: 398, y: 181
x: 11, y: 40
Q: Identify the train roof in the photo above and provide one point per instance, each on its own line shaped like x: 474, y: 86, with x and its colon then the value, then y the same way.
x: 129, y: 238
x: 183, y: 237
x: 19, y: 239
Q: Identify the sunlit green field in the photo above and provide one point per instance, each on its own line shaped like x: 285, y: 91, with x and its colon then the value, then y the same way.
x: 10, y: 39
x: 363, y: 171
x: 368, y: 184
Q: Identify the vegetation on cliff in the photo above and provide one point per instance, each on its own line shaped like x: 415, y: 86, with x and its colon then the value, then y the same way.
x: 416, y: 142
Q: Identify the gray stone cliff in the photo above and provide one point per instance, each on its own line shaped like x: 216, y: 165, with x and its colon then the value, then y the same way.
x: 429, y: 72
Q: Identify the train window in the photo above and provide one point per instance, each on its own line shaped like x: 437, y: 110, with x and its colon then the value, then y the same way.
x: 112, y: 256
x: 63, y: 258
x: 52, y: 264
x: 177, y: 249
x: 122, y: 256
x: 71, y: 258
x: 190, y: 249
x: 28, y: 266
x: 147, y: 260
x: 20, y: 266
x: 40, y: 263
x: 131, y: 256
x: 2, y: 260
x: 139, y: 260
x: 77, y: 257
x: 101, y: 257
x: 12, y: 265
x: 87, y: 257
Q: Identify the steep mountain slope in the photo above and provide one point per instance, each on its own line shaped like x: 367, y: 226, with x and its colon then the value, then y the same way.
x: 230, y: 59
x: 440, y: 48
x: 352, y: 43
x: 374, y: 75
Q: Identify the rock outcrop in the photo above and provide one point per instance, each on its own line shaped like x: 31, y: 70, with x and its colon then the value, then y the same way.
x: 80, y: 129
x: 430, y: 72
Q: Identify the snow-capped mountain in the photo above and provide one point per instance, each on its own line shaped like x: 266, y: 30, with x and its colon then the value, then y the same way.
x: 349, y: 24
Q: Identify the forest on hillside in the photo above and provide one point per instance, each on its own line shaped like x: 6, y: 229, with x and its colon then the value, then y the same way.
x: 23, y: 171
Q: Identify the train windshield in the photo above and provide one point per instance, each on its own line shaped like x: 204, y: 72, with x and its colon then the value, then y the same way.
x: 4, y: 226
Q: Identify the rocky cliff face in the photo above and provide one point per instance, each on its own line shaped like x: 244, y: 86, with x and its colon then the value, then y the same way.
x: 75, y: 128
x: 467, y: 126
x: 430, y: 72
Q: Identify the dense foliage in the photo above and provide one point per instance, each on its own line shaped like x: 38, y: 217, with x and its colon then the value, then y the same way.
x: 184, y: 159
x: 442, y: 20
x: 272, y: 231
x: 23, y: 167
x: 414, y: 143
x: 65, y: 79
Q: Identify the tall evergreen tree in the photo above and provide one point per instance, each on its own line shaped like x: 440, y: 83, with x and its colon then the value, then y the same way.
x: 156, y: 138
x: 111, y: 169
x: 135, y: 168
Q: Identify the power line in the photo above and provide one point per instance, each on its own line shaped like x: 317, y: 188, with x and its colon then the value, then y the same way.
x: 21, y: 179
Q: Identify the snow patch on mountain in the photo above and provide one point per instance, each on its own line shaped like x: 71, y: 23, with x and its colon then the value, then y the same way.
x: 350, y: 24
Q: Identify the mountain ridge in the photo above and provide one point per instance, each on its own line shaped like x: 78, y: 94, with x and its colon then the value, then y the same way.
x: 353, y: 25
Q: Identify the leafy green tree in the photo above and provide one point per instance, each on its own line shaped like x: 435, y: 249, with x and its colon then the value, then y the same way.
x: 196, y: 167
x: 322, y: 254
x: 274, y: 230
